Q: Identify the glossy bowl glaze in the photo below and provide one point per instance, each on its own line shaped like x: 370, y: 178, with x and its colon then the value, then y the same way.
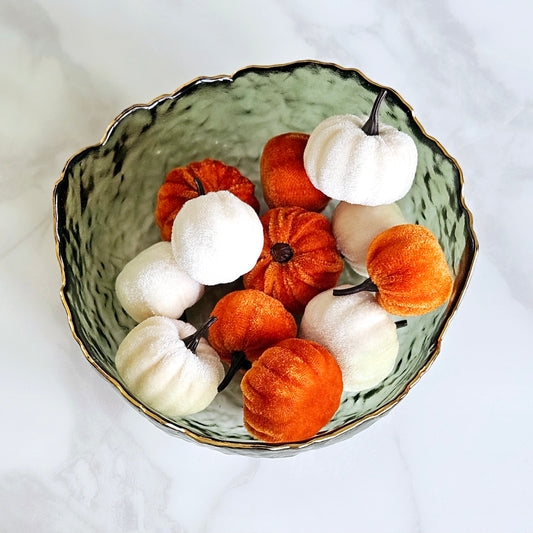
x: 104, y: 215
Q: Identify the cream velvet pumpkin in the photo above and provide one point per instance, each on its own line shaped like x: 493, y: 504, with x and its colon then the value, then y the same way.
x: 159, y: 369
x: 350, y: 158
x: 357, y: 332
x: 216, y: 238
x: 152, y: 284
x: 355, y: 226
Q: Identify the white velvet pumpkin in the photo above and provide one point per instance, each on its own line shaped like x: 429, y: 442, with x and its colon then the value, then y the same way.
x: 216, y: 238
x: 346, y: 163
x: 355, y: 226
x: 357, y: 332
x: 159, y: 369
x: 152, y: 284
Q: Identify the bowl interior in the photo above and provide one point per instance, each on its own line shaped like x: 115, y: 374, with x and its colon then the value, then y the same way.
x: 106, y: 198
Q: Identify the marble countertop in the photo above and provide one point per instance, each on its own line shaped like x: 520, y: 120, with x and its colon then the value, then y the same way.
x: 454, y: 455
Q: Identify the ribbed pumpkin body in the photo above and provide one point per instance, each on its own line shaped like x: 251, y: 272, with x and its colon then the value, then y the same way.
x: 408, y: 266
x: 312, y: 265
x: 180, y: 186
x: 347, y: 164
x: 249, y: 321
x: 163, y: 373
x: 291, y: 392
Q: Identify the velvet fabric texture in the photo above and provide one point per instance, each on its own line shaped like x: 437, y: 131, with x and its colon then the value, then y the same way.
x: 283, y: 176
x: 408, y: 266
x: 179, y: 186
x: 299, y: 257
x: 249, y: 321
x: 216, y: 238
x: 291, y: 392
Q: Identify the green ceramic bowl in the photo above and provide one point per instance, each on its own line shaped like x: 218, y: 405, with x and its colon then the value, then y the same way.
x: 104, y: 215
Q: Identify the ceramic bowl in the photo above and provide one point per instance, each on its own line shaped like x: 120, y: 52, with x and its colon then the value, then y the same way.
x: 104, y: 215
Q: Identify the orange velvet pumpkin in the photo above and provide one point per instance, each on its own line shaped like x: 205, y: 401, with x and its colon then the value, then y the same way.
x: 299, y: 257
x: 283, y: 175
x: 291, y: 391
x: 249, y: 321
x: 408, y: 270
x: 179, y: 186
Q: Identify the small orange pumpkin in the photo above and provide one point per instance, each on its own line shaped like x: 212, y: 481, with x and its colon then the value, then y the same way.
x: 291, y: 391
x: 299, y: 257
x: 180, y: 186
x: 283, y: 176
x: 249, y: 321
x: 408, y: 270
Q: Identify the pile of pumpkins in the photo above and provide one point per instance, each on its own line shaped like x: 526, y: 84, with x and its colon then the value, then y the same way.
x: 290, y: 260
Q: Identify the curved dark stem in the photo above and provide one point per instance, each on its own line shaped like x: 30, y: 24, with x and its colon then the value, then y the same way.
x: 281, y: 252
x: 371, y: 126
x: 199, y: 186
x: 367, y: 285
x: 191, y: 342
x: 401, y: 324
x: 238, y: 362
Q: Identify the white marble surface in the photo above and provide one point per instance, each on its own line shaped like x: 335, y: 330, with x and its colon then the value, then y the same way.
x: 455, y: 455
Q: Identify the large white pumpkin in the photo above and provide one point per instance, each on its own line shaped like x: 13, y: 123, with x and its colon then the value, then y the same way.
x: 163, y: 373
x: 348, y: 160
x: 216, y: 238
x: 357, y: 332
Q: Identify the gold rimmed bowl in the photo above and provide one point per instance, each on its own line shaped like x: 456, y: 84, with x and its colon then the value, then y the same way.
x: 104, y: 216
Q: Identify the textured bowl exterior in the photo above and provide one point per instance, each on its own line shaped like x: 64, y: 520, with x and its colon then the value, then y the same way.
x: 104, y: 207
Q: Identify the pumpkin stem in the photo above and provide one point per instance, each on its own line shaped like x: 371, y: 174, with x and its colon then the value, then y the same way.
x: 367, y: 285
x: 199, y: 186
x: 281, y: 252
x: 191, y: 342
x: 238, y: 362
x: 401, y: 324
x: 371, y: 126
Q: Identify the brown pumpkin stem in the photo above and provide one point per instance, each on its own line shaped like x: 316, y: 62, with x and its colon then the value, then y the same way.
x: 281, y: 252
x: 401, y: 324
x: 191, y: 342
x: 368, y: 285
x: 238, y: 362
x: 371, y: 126
x: 199, y: 186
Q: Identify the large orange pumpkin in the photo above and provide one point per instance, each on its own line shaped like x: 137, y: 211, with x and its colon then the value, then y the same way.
x: 291, y: 391
x: 180, y: 186
x: 299, y: 257
x: 283, y: 176
x: 408, y: 270
x: 249, y: 321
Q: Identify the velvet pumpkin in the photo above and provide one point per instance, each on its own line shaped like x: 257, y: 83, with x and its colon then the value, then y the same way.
x: 291, y: 392
x: 359, y: 161
x: 355, y: 226
x: 408, y: 270
x: 283, y: 176
x: 358, y: 332
x: 216, y: 238
x: 169, y: 366
x: 180, y: 186
x: 151, y: 284
x: 299, y: 257
x: 249, y: 321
